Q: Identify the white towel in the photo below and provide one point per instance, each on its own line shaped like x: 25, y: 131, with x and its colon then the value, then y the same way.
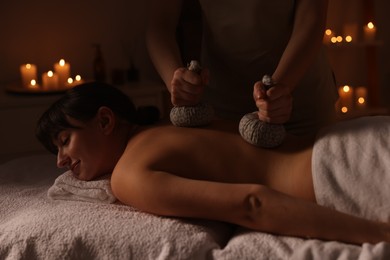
x: 351, y: 167
x: 68, y: 187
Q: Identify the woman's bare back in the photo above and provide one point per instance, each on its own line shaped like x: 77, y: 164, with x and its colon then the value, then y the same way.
x: 223, y: 156
x: 212, y: 174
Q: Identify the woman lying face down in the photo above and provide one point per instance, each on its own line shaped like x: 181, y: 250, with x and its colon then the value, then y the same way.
x: 209, y: 173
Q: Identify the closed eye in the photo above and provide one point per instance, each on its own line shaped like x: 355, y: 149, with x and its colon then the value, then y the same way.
x: 65, y: 141
x: 62, y: 139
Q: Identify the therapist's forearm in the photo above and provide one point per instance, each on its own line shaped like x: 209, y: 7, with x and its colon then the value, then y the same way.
x: 305, y: 42
x: 161, y: 38
x: 164, y: 53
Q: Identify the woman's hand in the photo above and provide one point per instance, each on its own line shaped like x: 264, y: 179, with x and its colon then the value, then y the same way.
x: 187, y: 86
x: 274, y: 104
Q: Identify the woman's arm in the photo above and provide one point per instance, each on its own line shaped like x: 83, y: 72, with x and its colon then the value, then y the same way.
x: 249, y: 205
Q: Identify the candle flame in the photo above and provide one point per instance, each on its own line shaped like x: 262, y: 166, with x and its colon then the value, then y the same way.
x: 370, y: 25
x: 70, y: 80
x: 339, y: 39
x: 62, y: 62
x: 348, y: 38
x: 33, y: 84
x: 78, y: 78
x: 346, y: 88
x: 28, y: 66
x: 50, y: 73
x: 361, y: 100
x: 344, y: 110
x: 328, y: 32
x: 333, y: 39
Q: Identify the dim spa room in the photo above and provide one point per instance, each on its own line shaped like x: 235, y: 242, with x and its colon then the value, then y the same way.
x: 255, y: 129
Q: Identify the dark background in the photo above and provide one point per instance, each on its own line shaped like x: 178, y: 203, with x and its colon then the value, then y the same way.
x: 42, y: 32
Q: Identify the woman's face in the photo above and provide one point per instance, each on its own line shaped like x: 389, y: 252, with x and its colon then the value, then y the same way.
x: 84, y: 150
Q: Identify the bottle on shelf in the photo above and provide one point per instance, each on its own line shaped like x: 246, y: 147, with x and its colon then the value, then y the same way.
x: 132, y: 72
x: 99, y: 65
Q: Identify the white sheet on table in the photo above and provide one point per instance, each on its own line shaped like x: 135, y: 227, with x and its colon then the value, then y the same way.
x: 33, y: 226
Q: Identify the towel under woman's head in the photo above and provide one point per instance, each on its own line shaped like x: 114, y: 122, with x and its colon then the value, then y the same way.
x: 68, y: 187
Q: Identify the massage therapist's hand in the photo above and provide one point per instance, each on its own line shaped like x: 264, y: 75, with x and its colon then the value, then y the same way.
x: 275, y: 104
x: 187, y: 86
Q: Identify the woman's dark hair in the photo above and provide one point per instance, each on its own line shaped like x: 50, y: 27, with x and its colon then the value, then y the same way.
x: 82, y: 103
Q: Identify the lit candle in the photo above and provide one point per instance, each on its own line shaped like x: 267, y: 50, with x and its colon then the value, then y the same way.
x: 336, y: 39
x: 28, y: 72
x: 369, y: 32
x: 348, y: 38
x: 70, y: 82
x: 350, y: 31
x: 346, y: 98
x: 78, y: 80
x: 344, y: 110
x: 62, y: 69
x: 361, y: 97
x: 50, y: 80
x: 328, y: 36
x: 33, y: 84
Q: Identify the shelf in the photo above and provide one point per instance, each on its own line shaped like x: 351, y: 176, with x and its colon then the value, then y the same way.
x: 354, y: 44
x: 372, y: 111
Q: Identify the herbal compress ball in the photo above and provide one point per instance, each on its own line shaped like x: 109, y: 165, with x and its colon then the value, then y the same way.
x: 192, y: 116
x: 260, y: 133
